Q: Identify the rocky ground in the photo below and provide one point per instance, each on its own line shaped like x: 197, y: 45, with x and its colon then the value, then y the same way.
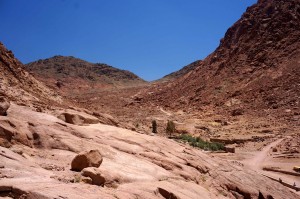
x: 246, y: 99
x: 38, y: 164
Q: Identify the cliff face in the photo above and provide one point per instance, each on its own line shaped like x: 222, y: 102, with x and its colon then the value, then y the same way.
x: 257, y: 65
x: 18, y: 85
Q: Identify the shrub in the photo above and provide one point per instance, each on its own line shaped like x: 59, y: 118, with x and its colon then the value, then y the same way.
x: 170, y: 127
x: 154, y: 126
x: 199, y: 143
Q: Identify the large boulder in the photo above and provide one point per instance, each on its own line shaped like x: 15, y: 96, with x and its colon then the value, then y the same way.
x: 77, y: 118
x: 94, y: 174
x: 93, y: 158
x: 4, y: 105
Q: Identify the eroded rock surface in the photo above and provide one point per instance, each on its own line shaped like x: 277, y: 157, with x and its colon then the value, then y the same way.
x: 77, y: 118
x: 4, y: 105
x: 135, y: 165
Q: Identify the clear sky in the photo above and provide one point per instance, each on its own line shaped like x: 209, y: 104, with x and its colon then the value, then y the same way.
x: 148, y: 37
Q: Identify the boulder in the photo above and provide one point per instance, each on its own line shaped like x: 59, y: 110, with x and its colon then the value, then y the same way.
x: 4, y: 105
x: 94, y: 174
x: 77, y: 118
x: 93, y: 158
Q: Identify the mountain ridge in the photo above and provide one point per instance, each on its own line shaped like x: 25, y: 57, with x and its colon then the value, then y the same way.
x: 66, y: 73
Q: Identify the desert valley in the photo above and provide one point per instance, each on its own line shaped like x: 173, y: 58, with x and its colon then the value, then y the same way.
x: 227, y: 126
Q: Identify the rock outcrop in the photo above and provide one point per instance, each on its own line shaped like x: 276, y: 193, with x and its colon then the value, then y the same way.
x: 93, y: 158
x: 77, y: 118
x: 4, y: 105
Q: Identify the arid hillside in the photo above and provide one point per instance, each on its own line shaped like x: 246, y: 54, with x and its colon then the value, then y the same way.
x: 72, y: 76
x: 56, y: 152
x: 18, y: 85
x: 186, y: 69
x: 235, y: 121
x: 255, y: 69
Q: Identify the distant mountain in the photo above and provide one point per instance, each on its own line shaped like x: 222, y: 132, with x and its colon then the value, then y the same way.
x: 72, y: 75
x: 256, y: 66
x: 181, y: 72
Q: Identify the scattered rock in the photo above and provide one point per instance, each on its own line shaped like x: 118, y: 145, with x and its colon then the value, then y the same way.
x: 94, y: 174
x: 83, y: 160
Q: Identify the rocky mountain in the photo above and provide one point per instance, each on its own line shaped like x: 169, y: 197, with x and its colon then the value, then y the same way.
x: 18, y: 85
x: 69, y: 152
x: 186, y: 69
x: 70, y: 74
x: 256, y: 66
x: 62, y: 153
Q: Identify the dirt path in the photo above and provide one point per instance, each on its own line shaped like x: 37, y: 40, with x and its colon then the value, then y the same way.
x: 257, y: 161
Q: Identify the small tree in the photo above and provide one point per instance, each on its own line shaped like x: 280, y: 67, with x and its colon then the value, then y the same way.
x: 154, y: 126
x: 170, y: 127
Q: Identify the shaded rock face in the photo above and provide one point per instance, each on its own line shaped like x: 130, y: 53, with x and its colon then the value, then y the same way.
x: 106, y: 119
x: 257, y: 62
x: 13, y: 131
x: 4, y: 105
x: 83, y: 160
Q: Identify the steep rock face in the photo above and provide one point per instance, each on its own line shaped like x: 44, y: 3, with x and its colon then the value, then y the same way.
x: 17, y: 84
x: 257, y: 65
x: 75, y: 76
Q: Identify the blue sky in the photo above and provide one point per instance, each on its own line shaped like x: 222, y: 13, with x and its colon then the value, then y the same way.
x: 148, y: 37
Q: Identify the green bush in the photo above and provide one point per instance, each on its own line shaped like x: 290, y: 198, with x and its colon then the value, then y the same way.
x: 154, y: 126
x: 199, y: 143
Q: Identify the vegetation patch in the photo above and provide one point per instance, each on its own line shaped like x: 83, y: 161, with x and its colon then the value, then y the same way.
x: 199, y: 143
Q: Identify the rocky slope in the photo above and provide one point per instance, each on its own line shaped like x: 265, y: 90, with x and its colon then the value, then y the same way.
x: 37, y: 148
x: 18, y: 85
x: 185, y: 70
x: 256, y: 67
x: 74, y: 76
x: 37, y: 163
